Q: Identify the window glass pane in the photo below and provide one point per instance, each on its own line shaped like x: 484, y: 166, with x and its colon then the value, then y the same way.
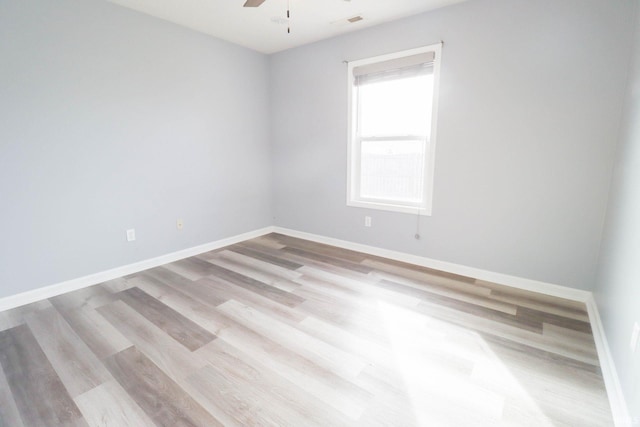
x: 396, y: 107
x: 392, y: 170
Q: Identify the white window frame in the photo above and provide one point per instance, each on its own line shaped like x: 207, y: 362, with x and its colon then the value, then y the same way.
x: 353, y: 153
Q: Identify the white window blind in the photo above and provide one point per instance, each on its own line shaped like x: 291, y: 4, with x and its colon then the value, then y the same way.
x: 398, y: 68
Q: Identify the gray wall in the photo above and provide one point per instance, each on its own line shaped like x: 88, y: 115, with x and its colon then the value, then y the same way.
x: 112, y: 120
x: 618, y: 283
x: 531, y: 95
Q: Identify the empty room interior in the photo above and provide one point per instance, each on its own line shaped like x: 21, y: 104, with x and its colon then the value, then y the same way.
x: 319, y: 213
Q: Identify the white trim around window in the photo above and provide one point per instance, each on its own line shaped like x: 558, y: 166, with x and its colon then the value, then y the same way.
x: 381, y: 67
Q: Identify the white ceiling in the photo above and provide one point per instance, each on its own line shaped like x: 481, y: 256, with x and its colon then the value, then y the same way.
x: 311, y: 20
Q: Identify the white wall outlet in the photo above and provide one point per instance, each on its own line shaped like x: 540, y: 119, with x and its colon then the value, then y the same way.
x: 634, y: 337
x: 131, y: 235
x: 367, y: 221
x: 179, y: 224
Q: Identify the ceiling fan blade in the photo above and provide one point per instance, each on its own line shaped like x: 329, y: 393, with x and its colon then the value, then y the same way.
x: 253, y: 3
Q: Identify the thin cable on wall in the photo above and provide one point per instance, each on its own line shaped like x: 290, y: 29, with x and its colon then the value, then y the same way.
x: 288, y: 16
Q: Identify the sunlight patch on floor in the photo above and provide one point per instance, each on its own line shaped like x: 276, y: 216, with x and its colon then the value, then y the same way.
x: 451, y: 375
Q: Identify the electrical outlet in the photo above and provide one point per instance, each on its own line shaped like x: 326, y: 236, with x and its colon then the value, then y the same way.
x: 367, y: 221
x: 179, y: 224
x: 634, y: 337
x: 131, y: 235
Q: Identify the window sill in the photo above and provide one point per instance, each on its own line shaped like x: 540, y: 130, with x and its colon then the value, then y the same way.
x: 390, y: 207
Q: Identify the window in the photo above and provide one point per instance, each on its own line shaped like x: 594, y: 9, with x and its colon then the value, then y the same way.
x: 392, y: 103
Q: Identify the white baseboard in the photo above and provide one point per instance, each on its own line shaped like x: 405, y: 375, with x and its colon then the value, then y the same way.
x: 462, y: 270
x: 92, y: 279
x: 617, y: 401
x: 28, y: 297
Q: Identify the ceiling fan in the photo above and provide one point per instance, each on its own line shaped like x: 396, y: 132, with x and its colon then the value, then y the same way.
x: 253, y: 3
x: 256, y: 3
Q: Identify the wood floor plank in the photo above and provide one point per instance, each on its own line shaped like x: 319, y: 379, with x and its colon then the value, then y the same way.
x: 530, y: 351
x: 321, y: 353
x: 318, y: 248
x: 266, y: 242
x: 554, y: 319
x: 99, y: 335
x: 196, y: 310
x: 580, y: 338
x: 170, y: 321
x: 40, y: 396
x: 580, y: 341
x: 435, y: 376
x: 326, y: 267
x: 440, y: 349
x: 339, y: 290
x: 517, y: 335
x: 424, y: 409
x: 230, y: 291
x: 356, y: 282
x: 398, y: 402
x: 109, y: 405
x: 272, y: 390
x: 116, y: 285
x: 18, y: 315
x: 259, y: 265
x: 395, y: 265
x: 462, y: 291
x: 559, y: 309
x: 504, y: 313
x: 375, y: 353
x: 191, y: 268
x: 557, y: 385
x: 76, y: 365
x: 263, y: 256
x: 9, y: 414
x: 337, y: 262
x: 184, y: 285
x: 360, y: 320
x: 244, y: 403
x: 424, y: 278
x: 342, y: 395
x: 442, y: 286
x: 266, y: 277
x: 164, y: 401
x: 389, y: 409
x: 523, y: 414
x: 532, y: 296
x: 361, y: 316
x: 175, y: 360
x: 261, y: 288
x: 92, y: 297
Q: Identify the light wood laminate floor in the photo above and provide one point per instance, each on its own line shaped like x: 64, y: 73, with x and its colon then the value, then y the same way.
x: 278, y: 331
